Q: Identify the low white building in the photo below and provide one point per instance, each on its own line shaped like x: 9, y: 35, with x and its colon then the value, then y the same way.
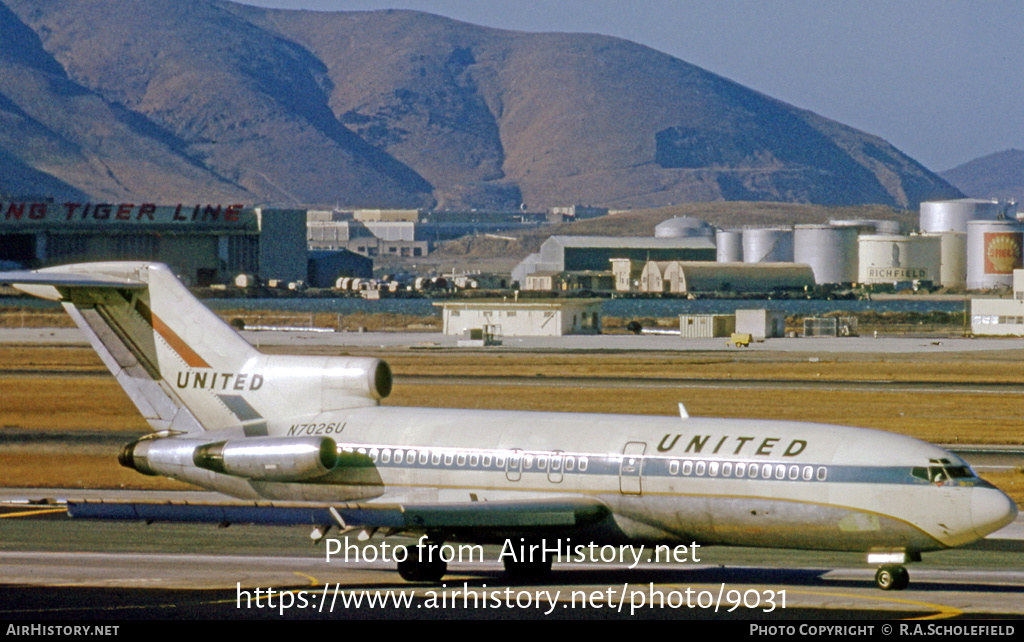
x: 706, y: 326
x: 761, y: 323
x: 1000, y: 317
x: 523, y: 319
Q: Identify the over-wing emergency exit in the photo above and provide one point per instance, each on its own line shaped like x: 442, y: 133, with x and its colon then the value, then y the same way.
x: 304, y: 440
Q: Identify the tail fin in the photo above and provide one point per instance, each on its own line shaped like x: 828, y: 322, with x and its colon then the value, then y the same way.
x: 183, y: 367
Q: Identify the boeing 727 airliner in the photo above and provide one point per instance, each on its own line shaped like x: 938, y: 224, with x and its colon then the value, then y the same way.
x: 304, y: 440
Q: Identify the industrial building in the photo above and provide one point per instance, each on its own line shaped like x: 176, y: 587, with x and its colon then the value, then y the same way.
x: 706, y: 326
x: 760, y: 323
x: 593, y: 253
x: 1000, y: 317
x: 204, y: 243
x: 588, y: 280
x: 681, y: 277
x: 325, y: 267
x: 373, y: 238
x: 523, y: 319
x: 404, y: 233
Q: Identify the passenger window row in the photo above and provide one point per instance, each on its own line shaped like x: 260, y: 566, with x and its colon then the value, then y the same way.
x: 475, y: 460
x: 745, y: 470
x: 557, y: 463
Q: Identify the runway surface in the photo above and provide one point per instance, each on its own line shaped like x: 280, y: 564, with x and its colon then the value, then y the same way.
x: 52, y: 566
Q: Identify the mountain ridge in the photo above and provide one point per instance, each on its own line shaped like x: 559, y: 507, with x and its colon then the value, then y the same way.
x: 408, y: 109
x: 999, y: 175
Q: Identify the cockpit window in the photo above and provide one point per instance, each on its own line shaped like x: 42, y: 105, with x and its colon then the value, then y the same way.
x: 938, y: 474
x: 959, y: 472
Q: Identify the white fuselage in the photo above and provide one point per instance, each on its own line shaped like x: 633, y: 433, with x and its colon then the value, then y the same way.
x: 664, y: 479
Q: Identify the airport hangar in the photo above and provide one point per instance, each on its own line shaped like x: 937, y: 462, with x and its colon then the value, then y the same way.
x: 594, y: 253
x: 205, y: 243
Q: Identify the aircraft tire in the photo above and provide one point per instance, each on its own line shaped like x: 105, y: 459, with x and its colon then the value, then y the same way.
x: 412, y: 569
x: 892, y: 578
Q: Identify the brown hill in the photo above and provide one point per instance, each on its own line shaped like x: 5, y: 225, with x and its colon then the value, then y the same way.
x: 61, y: 140
x: 400, y: 108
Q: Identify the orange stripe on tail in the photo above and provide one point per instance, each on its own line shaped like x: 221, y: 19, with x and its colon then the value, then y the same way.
x: 178, y: 345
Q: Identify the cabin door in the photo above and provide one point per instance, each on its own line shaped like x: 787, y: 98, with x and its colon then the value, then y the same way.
x: 631, y: 468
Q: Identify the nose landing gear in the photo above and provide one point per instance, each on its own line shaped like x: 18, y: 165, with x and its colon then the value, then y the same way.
x: 892, y: 577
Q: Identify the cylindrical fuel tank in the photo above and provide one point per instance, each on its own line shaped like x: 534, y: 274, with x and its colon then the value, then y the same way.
x: 683, y: 227
x: 994, y: 250
x: 891, y: 258
x: 767, y: 244
x: 953, y: 216
x: 830, y: 251
x: 953, y: 270
x: 729, y: 246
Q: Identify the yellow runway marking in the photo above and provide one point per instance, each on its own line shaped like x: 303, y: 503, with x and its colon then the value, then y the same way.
x: 312, y: 580
x: 28, y: 513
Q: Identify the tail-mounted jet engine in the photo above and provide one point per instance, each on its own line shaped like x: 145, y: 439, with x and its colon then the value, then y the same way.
x: 285, y: 459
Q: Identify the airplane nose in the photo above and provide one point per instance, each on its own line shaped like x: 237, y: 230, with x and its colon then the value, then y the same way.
x: 991, y: 509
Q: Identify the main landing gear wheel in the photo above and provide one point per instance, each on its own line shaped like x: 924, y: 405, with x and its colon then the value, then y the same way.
x: 413, y: 569
x: 892, y: 578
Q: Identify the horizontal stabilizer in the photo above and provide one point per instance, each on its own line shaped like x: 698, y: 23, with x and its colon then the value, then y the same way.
x: 69, y: 279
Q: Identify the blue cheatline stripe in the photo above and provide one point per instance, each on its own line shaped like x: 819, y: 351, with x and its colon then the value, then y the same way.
x: 650, y: 467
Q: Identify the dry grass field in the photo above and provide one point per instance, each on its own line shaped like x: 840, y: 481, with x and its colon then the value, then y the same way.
x: 66, y: 389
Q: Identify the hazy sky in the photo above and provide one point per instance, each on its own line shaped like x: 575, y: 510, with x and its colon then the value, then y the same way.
x: 942, y: 80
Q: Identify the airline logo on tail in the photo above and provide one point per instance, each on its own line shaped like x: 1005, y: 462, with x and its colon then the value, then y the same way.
x: 219, y: 380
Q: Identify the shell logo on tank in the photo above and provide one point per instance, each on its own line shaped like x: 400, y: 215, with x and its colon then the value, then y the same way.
x: 1003, y: 252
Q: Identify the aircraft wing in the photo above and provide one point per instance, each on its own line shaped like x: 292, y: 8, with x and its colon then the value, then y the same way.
x: 517, y: 515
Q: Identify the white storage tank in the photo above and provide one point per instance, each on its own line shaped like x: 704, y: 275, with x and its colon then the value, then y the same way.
x: 767, y: 245
x: 729, y: 246
x: 891, y: 258
x: 830, y: 251
x: 953, y: 258
x: 953, y: 216
x: 994, y: 250
x: 683, y: 227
